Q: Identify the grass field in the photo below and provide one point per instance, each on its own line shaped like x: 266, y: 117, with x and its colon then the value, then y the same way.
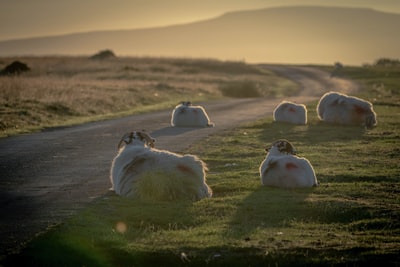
x: 72, y: 90
x: 351, y: 219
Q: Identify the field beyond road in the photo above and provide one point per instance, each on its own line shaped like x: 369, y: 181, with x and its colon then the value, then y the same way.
x: 352, y: 218
x: 60, y: 91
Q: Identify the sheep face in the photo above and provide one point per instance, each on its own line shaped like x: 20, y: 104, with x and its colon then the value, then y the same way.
x: 183, y: 106
x: 137, y: 138
x: 364, y: 114
x: 370, y: 120
x: 281, y: 146
x: 186, y: 103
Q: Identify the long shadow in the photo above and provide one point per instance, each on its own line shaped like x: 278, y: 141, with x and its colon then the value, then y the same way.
x: 324, y: 132
x: 345, y: 178
x: 278, y: 207
x: 316, y: 133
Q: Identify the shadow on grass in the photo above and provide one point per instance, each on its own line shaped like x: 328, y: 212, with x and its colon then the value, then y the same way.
x: 343, y: 178
x: 142, y: 217
x: 268, y: 207
x: 280, y: 208
x: 314, y: 133
x: 98, y: 236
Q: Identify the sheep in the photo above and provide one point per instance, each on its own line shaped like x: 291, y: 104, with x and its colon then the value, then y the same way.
x: 281, y: 168
x: 143, y: 172
x: 187, y: 115
x: 338, y: 108
x: 290, y: 112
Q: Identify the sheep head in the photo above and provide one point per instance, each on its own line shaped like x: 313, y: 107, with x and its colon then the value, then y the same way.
x: 137, y: 135
x: 282, y: 146
x: 370, y: 120
x: 186, y: 103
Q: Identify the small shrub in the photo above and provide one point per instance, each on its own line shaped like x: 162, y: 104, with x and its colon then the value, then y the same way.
x: 60, y: 109
x: 240, y: 89
x: 104, y: 54
x: 387, y: 62
x: 15, y: 68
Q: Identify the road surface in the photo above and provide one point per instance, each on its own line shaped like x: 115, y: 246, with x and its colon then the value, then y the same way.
x: 48, y: 176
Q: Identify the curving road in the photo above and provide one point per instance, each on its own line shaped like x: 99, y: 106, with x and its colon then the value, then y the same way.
x: 48, y: 176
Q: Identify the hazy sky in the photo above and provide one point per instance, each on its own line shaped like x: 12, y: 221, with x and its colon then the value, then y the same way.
x: 33, y: 18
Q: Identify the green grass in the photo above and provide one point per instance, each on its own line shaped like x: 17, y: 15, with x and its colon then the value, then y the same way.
x: 351, y: 219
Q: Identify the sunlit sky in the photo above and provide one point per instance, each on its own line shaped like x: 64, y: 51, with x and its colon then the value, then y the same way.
x: 33, y: 18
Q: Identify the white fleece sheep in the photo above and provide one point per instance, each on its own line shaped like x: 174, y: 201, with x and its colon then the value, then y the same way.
x: 334, y: 107
x: 281, y: 168
x: 187, y: 115
x: 290, y: 112
x: 141, y: 171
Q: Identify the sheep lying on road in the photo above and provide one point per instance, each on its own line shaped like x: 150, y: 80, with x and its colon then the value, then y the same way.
x: 281, y: 168
x: 290, y: 112
x: 141, y: 171
x: 187, y: 115
x: 339, y: 108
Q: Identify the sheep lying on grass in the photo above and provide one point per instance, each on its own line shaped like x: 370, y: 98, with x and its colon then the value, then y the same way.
x: 187, y: 115
x: 290, y: 112
x: 141, y: 171
x: 339, y: 108
x: 281, y: 168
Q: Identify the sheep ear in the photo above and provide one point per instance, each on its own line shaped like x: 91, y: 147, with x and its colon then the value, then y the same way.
x: 149, y: 140
x: 152, y: 141
x: 130, y: 135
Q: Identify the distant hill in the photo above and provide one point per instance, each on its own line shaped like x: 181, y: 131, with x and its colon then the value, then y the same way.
x: 281, y: 35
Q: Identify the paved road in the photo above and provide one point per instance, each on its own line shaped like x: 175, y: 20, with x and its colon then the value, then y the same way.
x: 48, y: 176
